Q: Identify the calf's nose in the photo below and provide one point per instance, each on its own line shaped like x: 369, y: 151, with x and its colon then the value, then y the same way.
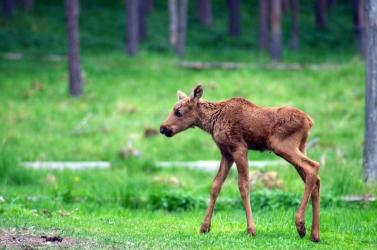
x: 162, y: 129
x: 166, y: 131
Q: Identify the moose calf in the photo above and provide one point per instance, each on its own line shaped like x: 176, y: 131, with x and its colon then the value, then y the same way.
x: 237, y: 125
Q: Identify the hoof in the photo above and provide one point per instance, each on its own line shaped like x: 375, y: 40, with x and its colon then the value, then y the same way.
x: 315, y: 239
x: 205, y: 228
x: 301, y: 229
x: 251, y: 231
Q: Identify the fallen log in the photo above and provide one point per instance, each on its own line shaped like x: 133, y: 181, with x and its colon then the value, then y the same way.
x: 197, y: 65
x: 211, y: 65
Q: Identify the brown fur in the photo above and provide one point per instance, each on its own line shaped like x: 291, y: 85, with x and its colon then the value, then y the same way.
x: 238, y: 125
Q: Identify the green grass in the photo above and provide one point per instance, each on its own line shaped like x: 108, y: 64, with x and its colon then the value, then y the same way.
x: 351, y: 228
x: 123, y: 96
x: 122, y: 100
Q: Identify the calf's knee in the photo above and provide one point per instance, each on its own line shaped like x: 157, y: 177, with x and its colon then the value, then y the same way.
x: 244, y: 189
x: 316, y: 189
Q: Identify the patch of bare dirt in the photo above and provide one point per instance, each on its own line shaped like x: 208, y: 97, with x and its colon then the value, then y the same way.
x: 27, y: 239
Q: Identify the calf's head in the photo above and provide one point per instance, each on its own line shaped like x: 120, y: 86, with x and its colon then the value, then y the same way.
x: 184, y: 114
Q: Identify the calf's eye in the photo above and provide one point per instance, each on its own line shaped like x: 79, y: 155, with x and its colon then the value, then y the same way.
x: 178, y: 113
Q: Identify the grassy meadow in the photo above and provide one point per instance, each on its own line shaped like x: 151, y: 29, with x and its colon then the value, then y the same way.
x: 134, y: 204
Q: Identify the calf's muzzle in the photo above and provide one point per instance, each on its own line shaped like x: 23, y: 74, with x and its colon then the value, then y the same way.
x: 166, y: 131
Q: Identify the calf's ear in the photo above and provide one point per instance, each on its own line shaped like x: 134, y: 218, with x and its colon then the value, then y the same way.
x: 181, y: 95
x: 196, y: 93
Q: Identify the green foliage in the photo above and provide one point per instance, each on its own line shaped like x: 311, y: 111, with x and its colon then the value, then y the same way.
x: 175, y: 201
x: 43, y: 29
x: 11, y: 173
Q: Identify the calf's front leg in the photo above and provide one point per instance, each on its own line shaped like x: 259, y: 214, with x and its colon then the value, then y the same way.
x: 240, y: 157
x: 222, y: 173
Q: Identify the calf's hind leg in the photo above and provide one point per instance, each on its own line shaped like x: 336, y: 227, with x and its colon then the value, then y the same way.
x: 316, y: 207
x: 308, y: 169
x: 315, y: 197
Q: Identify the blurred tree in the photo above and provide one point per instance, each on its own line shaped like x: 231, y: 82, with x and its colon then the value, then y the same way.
x: 27, y: 4
x: 132, y: 10
x: 182, y: 26
x: 173, y: 23
x: 285, y: 5
x: 150, y: 5
x: 205, y: 12
x: 370, y: 141
x: 75, y: 79
x: 295, y: 10
x: 234, y: 17
x: 143, y: 11
x: 358, y: 21
x: 320, y: 13
x: 331, y: 3
x: 8, y: 7
x: 263, y: 24
x: 275, y: 20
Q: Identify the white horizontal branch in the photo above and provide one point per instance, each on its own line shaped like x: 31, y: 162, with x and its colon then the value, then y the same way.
x: 214, y: 165
x: 66, y: 165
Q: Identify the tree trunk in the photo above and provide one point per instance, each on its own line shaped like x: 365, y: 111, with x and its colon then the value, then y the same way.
x: 285, y: 5
x: 182, y: 26
x: 173, y: 23
x: 234, y: 17
x: 150, y: 5
x: 295, y: 10
x: 370, y: 142
x: 320, y: 13
x: 132, y: 27
x: 205, y: 12
x: 275, y: 20
x: 27, y: 4
x: 8, y: 7
x: 75, y: 79
x: 331, y: 3
x: 263, y: 24
x: 358, y: 21
x: 143, y: 10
